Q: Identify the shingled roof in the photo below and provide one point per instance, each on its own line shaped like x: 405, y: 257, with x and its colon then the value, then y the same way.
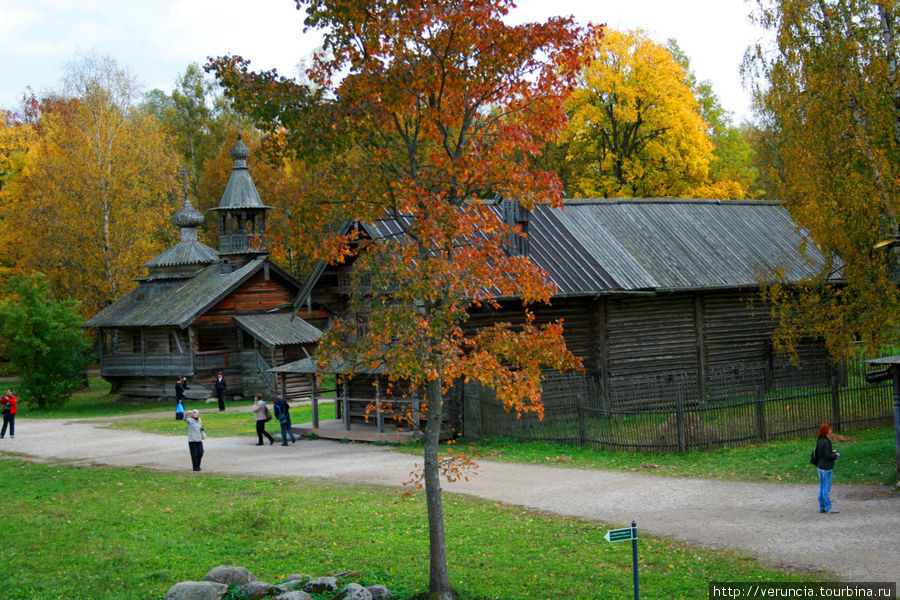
x: 179, y: 303
x: 278, y: 329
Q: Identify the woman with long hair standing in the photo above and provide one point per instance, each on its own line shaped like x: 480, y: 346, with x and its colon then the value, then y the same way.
x: 825, y: 457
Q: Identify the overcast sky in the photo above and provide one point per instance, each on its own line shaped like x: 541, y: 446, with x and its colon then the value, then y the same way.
x: 157, y: 39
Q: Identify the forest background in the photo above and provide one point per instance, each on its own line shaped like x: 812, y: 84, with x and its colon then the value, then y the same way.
x: 88, y: 172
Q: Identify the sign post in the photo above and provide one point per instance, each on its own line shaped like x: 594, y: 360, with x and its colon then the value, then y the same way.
x: 620, y: 535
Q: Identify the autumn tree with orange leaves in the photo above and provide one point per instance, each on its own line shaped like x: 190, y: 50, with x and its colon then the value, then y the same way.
x: 420, y: 111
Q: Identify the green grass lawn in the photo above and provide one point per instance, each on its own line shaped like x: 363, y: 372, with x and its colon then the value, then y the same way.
x: 125, y: 534
x: 96, y: 402
x: 868, y: 459
x: 224, y: 424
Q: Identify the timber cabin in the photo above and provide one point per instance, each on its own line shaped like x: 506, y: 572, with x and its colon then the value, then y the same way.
x: 199, y: 311
x: 649, y: 290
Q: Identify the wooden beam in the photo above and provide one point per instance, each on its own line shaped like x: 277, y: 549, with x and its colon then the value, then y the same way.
x: 701, y: 347
x: 346, y: 403
x: 603, y: 340
x: 315, y: 403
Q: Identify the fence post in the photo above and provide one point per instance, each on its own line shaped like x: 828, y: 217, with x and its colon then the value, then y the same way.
x: 582, y: 426
x: 379, y: 415
x: 679, y: 419
x: 835, y: 402
x: 315, y: 403
x: 346, y: 404
x: 761, y: 414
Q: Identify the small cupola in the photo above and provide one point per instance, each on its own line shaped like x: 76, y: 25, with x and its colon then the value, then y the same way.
x: 188, y: 219
x: 241, y: 213
x: 188, y: 255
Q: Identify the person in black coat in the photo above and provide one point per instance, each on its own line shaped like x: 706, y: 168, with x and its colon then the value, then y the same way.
x: 180, y: 386
x: 220, y: 390
x: 283, y: 413
x: 825, y: 457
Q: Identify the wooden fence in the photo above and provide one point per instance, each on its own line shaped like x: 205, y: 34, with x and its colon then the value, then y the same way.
x: 744, y: 403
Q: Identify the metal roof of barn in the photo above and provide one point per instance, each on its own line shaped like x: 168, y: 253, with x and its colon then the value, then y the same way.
x: 629, y: 245
x: 669, y: 244
x: 278, y: 329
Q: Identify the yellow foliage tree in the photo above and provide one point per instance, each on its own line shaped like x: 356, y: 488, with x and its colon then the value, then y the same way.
x: 17, y: 135
x: 635, y: 128
x: 829, y: 94
x: 93, y: 200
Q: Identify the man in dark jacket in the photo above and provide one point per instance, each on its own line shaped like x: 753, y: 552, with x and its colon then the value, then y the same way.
x: 180, y: 386
x: 220, y: 390
x: 283, y: 414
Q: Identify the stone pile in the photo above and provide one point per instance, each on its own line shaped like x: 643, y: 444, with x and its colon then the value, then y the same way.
x: 215, y: 584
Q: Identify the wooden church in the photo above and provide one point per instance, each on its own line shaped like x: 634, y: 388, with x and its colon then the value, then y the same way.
x: 200, y: 311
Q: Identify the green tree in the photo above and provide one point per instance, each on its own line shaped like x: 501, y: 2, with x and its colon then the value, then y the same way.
x: 438, y: 103
x: 198, y: 118
x: 829, y: 94
x: 43, y: 339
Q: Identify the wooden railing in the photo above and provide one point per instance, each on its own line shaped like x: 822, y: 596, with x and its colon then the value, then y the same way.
x: 237, y: 242
x: 146, y: 364
x: 256, y: 367
x: 217, y: 361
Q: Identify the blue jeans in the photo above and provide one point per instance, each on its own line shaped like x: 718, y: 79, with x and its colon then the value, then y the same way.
x: 825, y: 476
x: 286, y: 431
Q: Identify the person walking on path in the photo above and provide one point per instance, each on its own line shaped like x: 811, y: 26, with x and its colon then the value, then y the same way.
x: 195, y: 437
x: 220, y: 390
x: 9, y: 402
x: 261, y: 415
x: 825, y: 457
x: 180, y: 386
x: 283, y: 413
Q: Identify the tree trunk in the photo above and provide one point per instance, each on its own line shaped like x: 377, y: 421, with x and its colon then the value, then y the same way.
x: 438, y: 579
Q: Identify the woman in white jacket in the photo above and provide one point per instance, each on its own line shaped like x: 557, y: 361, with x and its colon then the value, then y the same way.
x: 195, y: 437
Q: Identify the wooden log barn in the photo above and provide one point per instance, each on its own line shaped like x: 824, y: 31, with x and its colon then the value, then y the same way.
x: 647, y: 288
x: 199, y: 311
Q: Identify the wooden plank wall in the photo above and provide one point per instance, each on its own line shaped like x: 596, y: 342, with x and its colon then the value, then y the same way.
x: 737, y: 327
x: 291, y: 385
x: 579, y: 323
x: 215, y: 330
x: 650, y: 334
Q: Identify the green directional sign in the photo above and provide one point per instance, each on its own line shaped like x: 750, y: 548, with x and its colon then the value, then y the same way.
x: 619, y: 535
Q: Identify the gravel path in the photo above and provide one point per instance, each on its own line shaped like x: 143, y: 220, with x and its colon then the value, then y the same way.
x: 777, y: 523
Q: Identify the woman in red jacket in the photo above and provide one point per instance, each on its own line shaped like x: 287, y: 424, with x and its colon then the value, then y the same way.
x: 9, y: 414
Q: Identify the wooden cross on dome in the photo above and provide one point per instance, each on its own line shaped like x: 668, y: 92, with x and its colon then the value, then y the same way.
x: 185, y: 174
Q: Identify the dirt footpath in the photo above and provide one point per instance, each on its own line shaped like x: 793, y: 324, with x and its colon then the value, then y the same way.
x: 777, y: 523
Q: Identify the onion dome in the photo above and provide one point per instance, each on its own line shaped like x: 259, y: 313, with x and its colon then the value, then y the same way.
x: 188, y: 216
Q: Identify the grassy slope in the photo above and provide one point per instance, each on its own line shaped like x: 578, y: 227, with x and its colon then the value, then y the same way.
x: 866, y: 457
x: 129, y: 533
x: 105, y: 533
